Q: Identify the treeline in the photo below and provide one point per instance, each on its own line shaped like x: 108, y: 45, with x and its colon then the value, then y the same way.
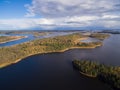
x: 107, y: 74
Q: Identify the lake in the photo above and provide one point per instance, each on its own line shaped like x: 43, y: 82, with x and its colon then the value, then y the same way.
x: 54, y: 71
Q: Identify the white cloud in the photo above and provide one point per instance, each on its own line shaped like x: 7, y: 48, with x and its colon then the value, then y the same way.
x: 82, y: 18
x: 109, y: 24
x: 110, y: 16
x: 22, y: 23
x: 63, y: 8
x: 52, y: 23
x: 30, y: 12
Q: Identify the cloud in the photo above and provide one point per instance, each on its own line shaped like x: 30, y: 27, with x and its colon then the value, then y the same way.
x: 105, y: 21
x: 63, y: 8
x: 110, y: 16
x: 17, y: 24
x: 46, y: 23
x: 77, y: 13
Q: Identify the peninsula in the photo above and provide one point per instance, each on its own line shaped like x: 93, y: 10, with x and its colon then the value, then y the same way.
x: 13, y: 54
x: 5, y: 39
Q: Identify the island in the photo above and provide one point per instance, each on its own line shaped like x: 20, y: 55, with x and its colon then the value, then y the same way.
x: 13, y: 54
x: 5, y: 39
x: 107, y: 74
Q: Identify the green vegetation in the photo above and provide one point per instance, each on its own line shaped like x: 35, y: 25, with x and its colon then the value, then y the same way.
x: 4, y: 39
x: 108, y: 74
x: 99, y: 36
x: 13, y: 54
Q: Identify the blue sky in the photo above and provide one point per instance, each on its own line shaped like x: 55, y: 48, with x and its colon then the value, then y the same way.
x: 12, y: 8
x: 53, y: 14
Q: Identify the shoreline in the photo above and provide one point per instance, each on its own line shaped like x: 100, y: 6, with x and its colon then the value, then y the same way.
x: 87, y: 75
x: 13, y: 40
x: 60, y: 51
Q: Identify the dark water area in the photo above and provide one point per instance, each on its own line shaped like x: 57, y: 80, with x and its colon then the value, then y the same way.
x: 54, y: 71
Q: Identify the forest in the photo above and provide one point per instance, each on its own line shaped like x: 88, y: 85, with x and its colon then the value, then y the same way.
x: 107, y: 74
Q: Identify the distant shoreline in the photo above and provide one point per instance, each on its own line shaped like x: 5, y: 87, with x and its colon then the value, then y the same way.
x: 13, y: 39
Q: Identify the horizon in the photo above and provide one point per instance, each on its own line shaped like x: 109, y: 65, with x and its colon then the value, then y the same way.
x: 59, y: 15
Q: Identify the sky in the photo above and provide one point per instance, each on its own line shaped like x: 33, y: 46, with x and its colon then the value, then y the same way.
x: 59, y: 14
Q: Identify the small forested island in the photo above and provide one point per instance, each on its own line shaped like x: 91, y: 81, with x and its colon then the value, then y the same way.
x: 4, y: 39
x: 107, y: 74
x: 13, y: 54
